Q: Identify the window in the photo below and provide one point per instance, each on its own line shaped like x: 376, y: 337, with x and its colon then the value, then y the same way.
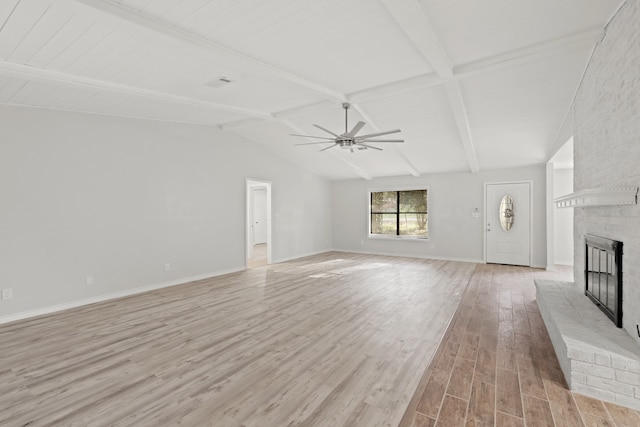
x: 399, y: 213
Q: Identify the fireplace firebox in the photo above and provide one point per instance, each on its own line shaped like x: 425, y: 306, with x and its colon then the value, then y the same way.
x: 603, y: 275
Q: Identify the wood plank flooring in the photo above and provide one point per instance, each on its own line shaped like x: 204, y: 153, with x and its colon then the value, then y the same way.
x: 331, y: 340
x: 496, y: 365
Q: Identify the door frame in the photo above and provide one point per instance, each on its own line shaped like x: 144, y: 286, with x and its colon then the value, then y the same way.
x: 484, y: 225
x: 250, y: 184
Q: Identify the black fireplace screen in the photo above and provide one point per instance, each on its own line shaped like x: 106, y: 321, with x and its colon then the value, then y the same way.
x: 603, y: 275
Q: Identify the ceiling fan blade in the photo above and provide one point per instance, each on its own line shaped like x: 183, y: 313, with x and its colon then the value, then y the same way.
x: 380, y: 140
x: 313, y: 143
x: 312, y: 136
x: 327, y: 130
x: 356, y: 129
x: 371, y: 135
x: 325, y: 149
x: 370, y: 146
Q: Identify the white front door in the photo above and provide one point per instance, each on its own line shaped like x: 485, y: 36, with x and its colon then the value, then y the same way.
x: 508, y: 214
x: 259, y: 216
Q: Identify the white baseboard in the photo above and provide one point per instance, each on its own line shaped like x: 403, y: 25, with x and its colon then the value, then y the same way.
x: 113, y: 295
x: 300, y: 256
x: 476, y: 261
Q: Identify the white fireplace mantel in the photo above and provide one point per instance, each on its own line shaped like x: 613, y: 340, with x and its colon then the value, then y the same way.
x: 615, y: 196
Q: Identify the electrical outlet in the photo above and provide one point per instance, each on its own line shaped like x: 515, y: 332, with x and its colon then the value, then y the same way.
x: 89, y: 280
x: 167, y: 267
x: 7, y: 294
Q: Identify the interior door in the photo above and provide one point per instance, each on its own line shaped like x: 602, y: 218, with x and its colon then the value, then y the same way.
x: 259, y: 216
x: 508, y: 214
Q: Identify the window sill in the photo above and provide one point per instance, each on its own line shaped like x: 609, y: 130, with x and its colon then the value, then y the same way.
x: 398, y: 238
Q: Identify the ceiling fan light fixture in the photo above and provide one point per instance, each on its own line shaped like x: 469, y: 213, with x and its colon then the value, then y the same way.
x: 348, y: 140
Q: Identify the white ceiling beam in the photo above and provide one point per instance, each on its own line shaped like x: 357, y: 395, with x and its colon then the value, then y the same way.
x: 396, y: 88
x: 141, y: 21
x: 508, y: 59
x: 411, y: 17
x: 251, y: 121
x: 407, y: 164
x: 459, y: 113
x: 305, y: 109
x: 425, y: 81
x: 413, y: 21
x: 493, y: 63
x: 27, y: 72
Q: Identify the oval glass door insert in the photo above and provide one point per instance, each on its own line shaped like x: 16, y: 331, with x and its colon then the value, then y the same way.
x: 506, y: 213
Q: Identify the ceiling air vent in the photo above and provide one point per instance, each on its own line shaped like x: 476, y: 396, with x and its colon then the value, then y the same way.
x: 219, y: 82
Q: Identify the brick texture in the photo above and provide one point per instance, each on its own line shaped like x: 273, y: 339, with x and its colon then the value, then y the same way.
x: 607, y: 150
x: 596, y: 358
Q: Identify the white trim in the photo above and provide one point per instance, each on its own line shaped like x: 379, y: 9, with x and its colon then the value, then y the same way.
x: 397, y: 254
x: 393, y: 238
x: 307, y: 254
x: 249, y: 184
x: 614, y: 196
x: 551, y: 226
x: 396, y: 237
x: 113, y: 295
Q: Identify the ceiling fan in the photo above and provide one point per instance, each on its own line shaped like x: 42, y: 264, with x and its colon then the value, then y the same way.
x: 349, y: 139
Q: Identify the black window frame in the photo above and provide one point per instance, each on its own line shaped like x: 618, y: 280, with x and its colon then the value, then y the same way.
x: 397, y: 213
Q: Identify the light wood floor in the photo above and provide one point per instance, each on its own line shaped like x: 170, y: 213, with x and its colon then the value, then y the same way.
x: 496, y: 365
x: 331, y: 340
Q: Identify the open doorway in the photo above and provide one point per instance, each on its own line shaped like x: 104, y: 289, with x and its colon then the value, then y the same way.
x: 258, y: 223
x: 560, y: 221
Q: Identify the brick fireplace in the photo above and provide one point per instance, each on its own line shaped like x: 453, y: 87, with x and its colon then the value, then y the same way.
x: 597, y: 358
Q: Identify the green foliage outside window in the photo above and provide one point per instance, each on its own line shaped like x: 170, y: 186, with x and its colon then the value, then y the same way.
x: 399, y: 213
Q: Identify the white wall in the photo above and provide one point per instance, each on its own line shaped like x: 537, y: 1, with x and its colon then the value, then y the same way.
x: 607, y: 150
x: 118, y: 198
x: 563, y: 218
x: 454, y: 233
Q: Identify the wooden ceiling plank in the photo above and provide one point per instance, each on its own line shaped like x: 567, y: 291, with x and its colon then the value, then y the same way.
x: 19, y: 24
x: 80, y: 48
x: 61, y: 40
x: 10, y: 88
x: 52, y: 21
x: 7, y: 8
x: 141, y: 21
x: 102, y: 54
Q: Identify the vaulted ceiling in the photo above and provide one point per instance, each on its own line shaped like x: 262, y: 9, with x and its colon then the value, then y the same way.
x: 472, y: 84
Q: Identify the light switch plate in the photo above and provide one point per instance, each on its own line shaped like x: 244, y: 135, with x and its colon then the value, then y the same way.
x: 7, y: 294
